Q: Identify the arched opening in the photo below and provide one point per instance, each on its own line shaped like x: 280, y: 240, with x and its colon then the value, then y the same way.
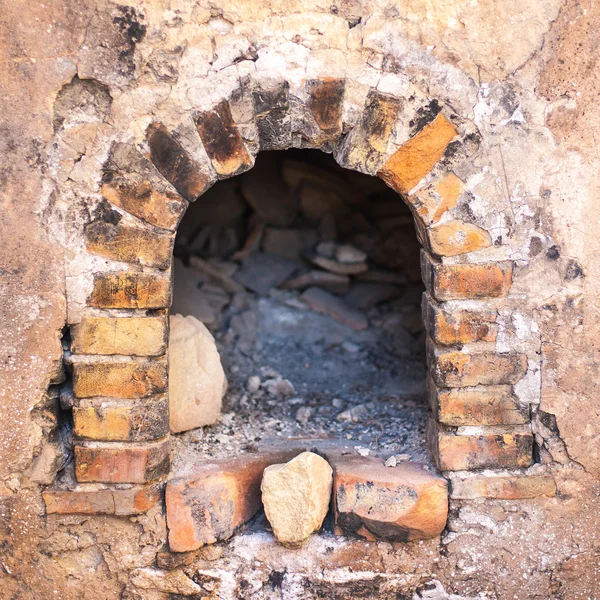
x: 308, y: 277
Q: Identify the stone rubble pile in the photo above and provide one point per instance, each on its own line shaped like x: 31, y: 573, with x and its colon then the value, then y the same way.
x: 343, y: 241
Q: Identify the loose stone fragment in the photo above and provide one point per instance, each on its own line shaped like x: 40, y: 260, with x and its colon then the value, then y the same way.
x: 296, y: 496
x: 335, y: 266
x: 397, y: 504
x: 262, y: 272
x: 332, y: 282
x: 322, y: 302
x: 349, y: 254
x: 196, y: 378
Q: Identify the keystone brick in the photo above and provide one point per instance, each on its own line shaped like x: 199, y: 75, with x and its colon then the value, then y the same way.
x: 122, y: 463
x: 325, y: 103
x: 119, y: 379
x: 366, y: 144
x: 130, y: 290
x: 208, y: 505
x: 175, y: 164
x: 398, y: 504
x: 513, y: 487
x: 465, y: 281
x: 457, y: 237
x: 139, y: 198
x: 458, y: 327
x: 490, y: 405
x: 132, y: 501
x: 130, y: 244
x: 458, y: 369
x: 486, y: 451
x: 271, y: 107
x: 133, y: 421
x: 141, y: 336
x: 415, y: 159
x: 222, y: 141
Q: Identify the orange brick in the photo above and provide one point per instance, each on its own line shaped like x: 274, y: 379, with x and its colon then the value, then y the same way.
x: 130, y: 290
x: 222, y: 141
x: 209, y: 504
x: 397, y: 504
x: 459, y: 369
x: 119, y: 379
x: 130, y: 244
x: 452, y: 238
x: 512, y: 487
x: 490, y: 405
x: 131, y: 501
x: 131, y: 421
x: 415, y: 159
x: 465, y: 281
x: 125, y: 463
x: 457, y: 327
x: 139, y: 197
x: 486, y: 451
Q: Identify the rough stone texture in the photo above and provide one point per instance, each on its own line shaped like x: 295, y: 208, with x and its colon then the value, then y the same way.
x: 525, y: 73
x: 296, y: 496
x: 196, y: 378
x: 399, y: 503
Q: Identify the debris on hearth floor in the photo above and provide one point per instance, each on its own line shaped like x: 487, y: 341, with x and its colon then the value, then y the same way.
x: 308, y: 278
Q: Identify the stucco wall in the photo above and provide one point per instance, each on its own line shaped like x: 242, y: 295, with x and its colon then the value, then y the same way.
x: 526, y: 73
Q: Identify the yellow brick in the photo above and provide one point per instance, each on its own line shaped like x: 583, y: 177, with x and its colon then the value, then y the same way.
x: 141, y: 336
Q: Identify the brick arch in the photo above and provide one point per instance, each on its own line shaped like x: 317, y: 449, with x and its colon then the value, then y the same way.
x: 119, y: 346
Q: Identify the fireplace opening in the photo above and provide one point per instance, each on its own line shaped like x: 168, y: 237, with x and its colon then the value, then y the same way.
x: 307, y: 275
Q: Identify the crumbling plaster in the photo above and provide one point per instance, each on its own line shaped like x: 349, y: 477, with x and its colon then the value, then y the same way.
x: 525, y: 73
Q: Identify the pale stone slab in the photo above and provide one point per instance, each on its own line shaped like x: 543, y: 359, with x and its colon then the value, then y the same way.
x: 296, y: 496
x: 197, y: 381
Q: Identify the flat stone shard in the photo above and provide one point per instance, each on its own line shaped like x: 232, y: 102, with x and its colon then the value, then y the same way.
x: 510, y: 487
x: 323, y: 302
x: 196, y: 378
x: 296, y: 496
x: 209, y: 504
x: 400, y: 504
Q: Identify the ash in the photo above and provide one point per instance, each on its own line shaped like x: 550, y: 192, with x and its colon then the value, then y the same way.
x: 316, y: 319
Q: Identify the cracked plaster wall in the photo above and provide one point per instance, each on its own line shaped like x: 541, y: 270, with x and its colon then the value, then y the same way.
x: 525, y: 73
